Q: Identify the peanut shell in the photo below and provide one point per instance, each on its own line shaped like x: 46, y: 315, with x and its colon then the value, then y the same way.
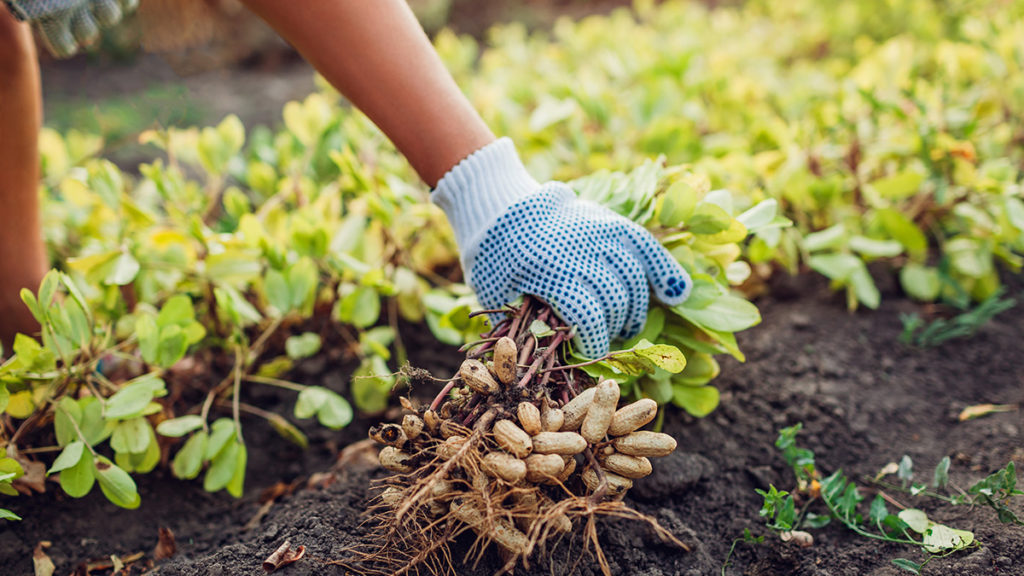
x: 632, y: 467
x: 541, y: 467
x: 394, y: 459
x: 552, y: 419
x: 599, y: 415
x: 497, y: 529
x: 576, y: 409
x: 529, y: 418
x: 645, y: 443
x: 474, y: 373
x: 504, y: 466
x: 616, y: 484
x: 505, y: 357
x: 512, y: 438
x: 567, y: 443
x: 632, y: 416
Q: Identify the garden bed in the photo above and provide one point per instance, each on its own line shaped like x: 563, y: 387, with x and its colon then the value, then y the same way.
x: 864, y: 398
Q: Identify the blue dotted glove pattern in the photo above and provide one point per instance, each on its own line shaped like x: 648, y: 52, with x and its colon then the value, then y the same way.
x: 594, y: 267
x: 66, y: 25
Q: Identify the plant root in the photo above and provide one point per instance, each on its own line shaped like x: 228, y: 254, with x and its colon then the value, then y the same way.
x: 495, y: 455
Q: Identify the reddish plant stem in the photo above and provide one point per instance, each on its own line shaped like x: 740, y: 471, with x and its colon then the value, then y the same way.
x: 602, y: 486
x: 471, y: 413
x: 440, y: 395
x: 551, y: 349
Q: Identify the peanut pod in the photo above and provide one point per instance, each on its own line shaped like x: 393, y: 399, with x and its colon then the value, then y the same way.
x: 576, y: 409
x: 616, y: 484
x: 391, y: 496
x: 504, y: 466
x: 645, y: 443
x: 570, y: 467
x: 632, y: 416
x: 599, y: 415
x: 542, y: 467
x: 431, y: 421
x: 394, y: 459
x: 497, y: 529
x: 450, y: 447
x: 512, y: 438
x: 412, y: 425
x: 632, y: 467
x: 551, y: 419
x: 529, y: 418
x: 451, y: 428
x: 567, y: 443
x: 474, y: 373
x: 389, y: 435
x: 505, y: 357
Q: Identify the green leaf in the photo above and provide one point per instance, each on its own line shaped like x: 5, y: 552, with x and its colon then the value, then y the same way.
x: 6, y: 514
x: 900, y: 185
x: 288, y: 431
x: 68, y: 457
x: 221, y: 432
x: 134, y: 397
x: 878, y: 511
x: 677, y: 204
x: 540, y: 329
x: 708, y: 219
x: 222, y: 468
x: 178, y: 427
x: 177, y: 311
x: 760, y: 215
x: 275, y: 285
x: 330, y: 409
x: 189, y: 460
x: 941, y: 476
x: 116, y: 484
x: 236, y: 485
x: 65, y: 417
x: 302, y: 345
x: 699, y: 401
x: 361, y: 307
x: 875, y: 248
x: 905, y: 471
x: 131, y: 436
x: 831, y: 238
x: 907, y: 565
x: 123, y: 270
x: 726, y: 313
x: 903, y: 230
x: 664, y: 356
x: 920, y: 282
x: 77, y: 481
x: 940, y: 538
x: 371, y: 385
x: 916, y: 519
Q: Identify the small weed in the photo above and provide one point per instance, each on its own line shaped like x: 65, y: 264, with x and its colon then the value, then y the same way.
x: 923, y: 334
x: 842, y: 499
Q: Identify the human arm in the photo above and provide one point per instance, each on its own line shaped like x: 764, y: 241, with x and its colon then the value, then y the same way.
x: 516, y: 237
x: 377, y: 55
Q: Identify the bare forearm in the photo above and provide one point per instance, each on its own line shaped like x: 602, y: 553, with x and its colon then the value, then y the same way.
x: 375, y: 53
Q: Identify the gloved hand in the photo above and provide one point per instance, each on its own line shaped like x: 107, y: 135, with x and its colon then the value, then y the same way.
x: 518, y: 237
x: 66, y: 25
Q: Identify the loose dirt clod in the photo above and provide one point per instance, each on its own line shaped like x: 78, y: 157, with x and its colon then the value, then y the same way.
x: 518, y: 458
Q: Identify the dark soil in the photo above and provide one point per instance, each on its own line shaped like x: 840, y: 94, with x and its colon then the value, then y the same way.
x: 864, y: 398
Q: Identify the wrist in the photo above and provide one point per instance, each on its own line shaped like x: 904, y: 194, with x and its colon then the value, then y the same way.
x: 477, y: 190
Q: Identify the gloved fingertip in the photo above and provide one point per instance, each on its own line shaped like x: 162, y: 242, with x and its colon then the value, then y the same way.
x: 84, y: 28
x: 106, y: 12
x: 129, y: 6
x: 674, y: 288
x: 58, y: 40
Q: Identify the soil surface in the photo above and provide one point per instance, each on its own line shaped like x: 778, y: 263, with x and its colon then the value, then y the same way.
x: 865, y: 400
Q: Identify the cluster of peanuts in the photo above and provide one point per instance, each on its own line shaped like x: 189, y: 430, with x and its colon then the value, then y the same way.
x: 537, y: 441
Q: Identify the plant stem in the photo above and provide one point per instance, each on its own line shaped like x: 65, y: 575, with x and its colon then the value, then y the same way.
x: 237, y: 393
x: 279, y: 383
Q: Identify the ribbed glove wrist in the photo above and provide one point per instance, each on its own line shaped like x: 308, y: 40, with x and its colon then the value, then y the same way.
x: 479, y: 189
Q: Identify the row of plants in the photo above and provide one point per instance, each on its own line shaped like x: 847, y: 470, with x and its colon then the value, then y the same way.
x: 222, y: 258
x: 715, y: 129
x: 889, y: 131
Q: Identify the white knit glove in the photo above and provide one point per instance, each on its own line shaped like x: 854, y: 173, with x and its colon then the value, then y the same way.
x: 67, y: 25
x: 594, y: 267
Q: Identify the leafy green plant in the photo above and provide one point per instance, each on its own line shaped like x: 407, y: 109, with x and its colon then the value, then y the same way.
x: 842, y: 499
x: 917, y: 332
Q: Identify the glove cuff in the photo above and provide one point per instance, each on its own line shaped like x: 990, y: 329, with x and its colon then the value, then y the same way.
x: 479, y: 189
